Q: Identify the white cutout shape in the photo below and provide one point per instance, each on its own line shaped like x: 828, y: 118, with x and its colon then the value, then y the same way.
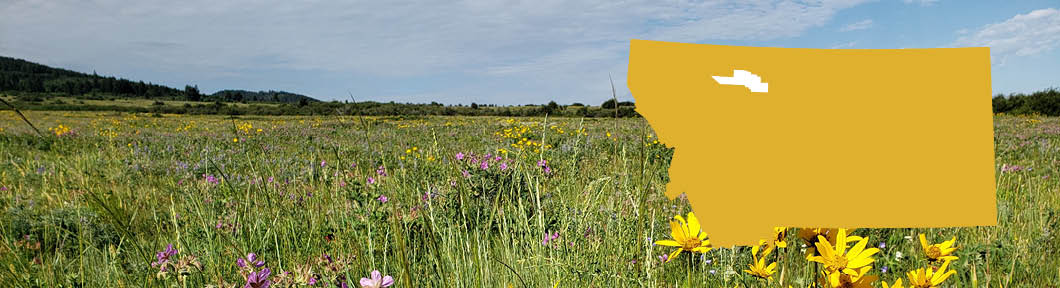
x: 745, y: 78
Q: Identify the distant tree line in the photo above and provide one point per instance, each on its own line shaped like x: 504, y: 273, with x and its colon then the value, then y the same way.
x: 18, y: 75
x: 24, y: 76
x: 1045, y: 102
x: 28, y: 101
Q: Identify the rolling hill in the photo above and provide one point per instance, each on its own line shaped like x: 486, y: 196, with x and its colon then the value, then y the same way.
x: 25, y: 77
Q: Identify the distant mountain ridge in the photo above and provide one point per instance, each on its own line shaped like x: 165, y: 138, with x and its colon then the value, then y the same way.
x: 18, y: 75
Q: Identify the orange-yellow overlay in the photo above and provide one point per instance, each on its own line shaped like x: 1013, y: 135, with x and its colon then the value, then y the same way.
x: 852, y: 138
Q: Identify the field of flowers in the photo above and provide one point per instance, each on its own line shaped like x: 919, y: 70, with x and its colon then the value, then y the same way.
x: 107, y: 199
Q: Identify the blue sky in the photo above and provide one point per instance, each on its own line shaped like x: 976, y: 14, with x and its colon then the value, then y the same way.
x: 513, y: 52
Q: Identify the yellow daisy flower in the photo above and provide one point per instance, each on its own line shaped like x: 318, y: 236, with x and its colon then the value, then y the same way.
x: 941, y: 251
x: 810, y: 237
x: 838, y: 279
x: 928, y: 277
x: 759, y: 268
x: 842, y: 260
x: 897, y: 284
x: 687, y: 236
x: 780, y: 240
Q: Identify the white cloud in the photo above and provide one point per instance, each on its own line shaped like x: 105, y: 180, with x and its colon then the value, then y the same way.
x: 564, y: 46
x: 860, y: 25
x: 1023, y: 35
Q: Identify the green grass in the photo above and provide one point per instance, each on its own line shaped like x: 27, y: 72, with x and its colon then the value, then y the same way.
x: 103, y: 200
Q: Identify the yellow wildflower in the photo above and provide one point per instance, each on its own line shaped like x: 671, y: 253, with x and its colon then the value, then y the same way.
x: 841, y: 260
x: 928, y: 277
x: 941, y: 251
x: 687, y: 236
x: 759, y: 268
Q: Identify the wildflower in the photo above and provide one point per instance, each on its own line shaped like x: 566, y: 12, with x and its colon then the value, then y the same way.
x: 323, y: 163
x: 371, y: 180
x: 838, y: 279
x: 840, y: 261
x: 664, y: 257
x: 163, y: 257
x: 928, y: 277
x: 377, y: 280
x: 210, y: 179
x: 1011, y: 168
x: 897, y: 284
x: 3, y: 188
x: 810, y: 237
x: 882, y: 245
x: 382, y: 199
x: 252, y: 259
x: 883, y: 269
x: 687, y: 236
x: 466, y: 174
x: 780, y: 237
x: 942, y: 251
x: 460, y: 156
x: 549, y: 238
x: 259, y: 279
x: 484, y: 165
x: 759, y: 268
x: 504, y: 166
x: 381, y: 171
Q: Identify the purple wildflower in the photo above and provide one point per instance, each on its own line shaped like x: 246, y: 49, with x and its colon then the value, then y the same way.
x: 371, y: 180
x: 377, y: 280
x: 382, y: 199
x: 323, y: 163
x: 484, y: 165
x: 270, y: 179
x: 883, y: 269
x: 466, y: 174
x: 549, y: 238
x: 3, y: 188
x: 664, y: 257
x: 504, y: 166
x: 251, y: 259
x: 163, y: 257
x: 1011, y: 168
x: 882, y: 245
x: 259, y: 279
x: 460, y: 156
x: 210, y: 179
x: 381, y: 171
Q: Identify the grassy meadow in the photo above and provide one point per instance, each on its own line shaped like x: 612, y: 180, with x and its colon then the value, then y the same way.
x: 322, y: 201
